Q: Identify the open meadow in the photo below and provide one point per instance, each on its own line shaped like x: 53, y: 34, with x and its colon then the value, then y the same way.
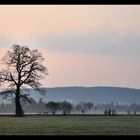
x: 70, y: 125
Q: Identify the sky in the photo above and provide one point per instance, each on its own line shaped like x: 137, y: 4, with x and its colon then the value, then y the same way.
x: 83, y: 45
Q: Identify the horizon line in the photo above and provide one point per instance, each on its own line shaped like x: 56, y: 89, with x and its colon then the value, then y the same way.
x: 90, y: 87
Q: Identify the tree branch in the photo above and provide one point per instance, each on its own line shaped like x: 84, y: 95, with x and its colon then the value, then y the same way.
x: 13, y: 78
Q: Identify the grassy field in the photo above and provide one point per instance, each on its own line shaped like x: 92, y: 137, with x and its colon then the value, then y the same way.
x: 70, y: 125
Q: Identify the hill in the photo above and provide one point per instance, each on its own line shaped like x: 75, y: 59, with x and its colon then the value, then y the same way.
x: 87, y: 94
x: 92, y: 94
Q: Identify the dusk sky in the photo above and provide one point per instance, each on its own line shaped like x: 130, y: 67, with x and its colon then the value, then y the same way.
x: 83, y: 45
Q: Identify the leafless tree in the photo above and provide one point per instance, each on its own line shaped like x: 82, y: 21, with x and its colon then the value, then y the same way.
x: 53, y: 106
x: 23, y: 69
x: 89, y: 105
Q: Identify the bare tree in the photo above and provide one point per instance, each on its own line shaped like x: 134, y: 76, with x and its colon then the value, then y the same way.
x: 83, y: 105
x: 89, y: 105
x: 23, y: 69
x: 53, y: 106
x: 66, y: 107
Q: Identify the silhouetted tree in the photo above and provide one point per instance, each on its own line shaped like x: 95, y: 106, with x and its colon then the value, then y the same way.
x: 109, y: 112
x: 67, y: 107
x: 89, y: 106
x: 83, y: 105
x: 53, y: 106
x: 23, y: 68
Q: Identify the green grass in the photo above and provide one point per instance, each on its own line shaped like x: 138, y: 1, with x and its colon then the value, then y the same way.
x: 70, y: 125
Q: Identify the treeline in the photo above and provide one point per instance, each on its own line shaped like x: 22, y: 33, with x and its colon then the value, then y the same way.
x: 66, y: 107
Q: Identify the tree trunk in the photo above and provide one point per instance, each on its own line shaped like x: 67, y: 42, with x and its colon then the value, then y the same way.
x: 18, y: 107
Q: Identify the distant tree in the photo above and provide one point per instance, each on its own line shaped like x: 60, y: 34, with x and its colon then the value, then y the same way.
x: 67, y: 107
x: 109, y: 112
x: 89, y: 105
x: 95, y: 109
x: 53, y: 106
x: 78, y: 107
x: 23, y: 69
x: 83, y: 105
x: 59, y: 108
